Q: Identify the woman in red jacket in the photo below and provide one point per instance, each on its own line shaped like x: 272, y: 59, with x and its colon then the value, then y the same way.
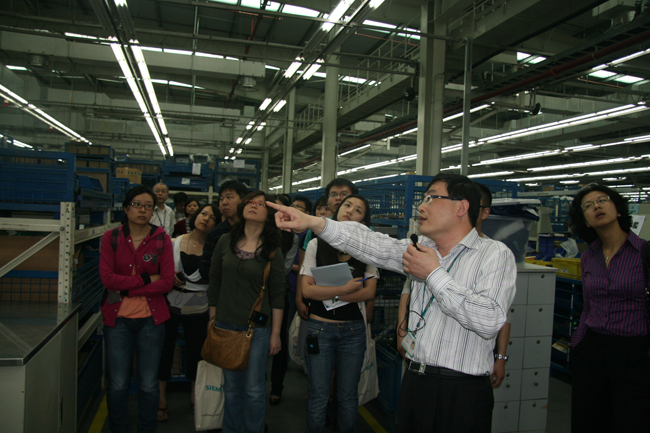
x: 137, y: 268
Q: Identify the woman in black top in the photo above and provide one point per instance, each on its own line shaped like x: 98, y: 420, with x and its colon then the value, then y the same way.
x: 337, y: 327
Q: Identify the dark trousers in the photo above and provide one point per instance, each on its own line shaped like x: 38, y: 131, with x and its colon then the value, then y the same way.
x: 440, y: 404
x: 195, y: 331
x: 281, y: 359
x: 610, y: 384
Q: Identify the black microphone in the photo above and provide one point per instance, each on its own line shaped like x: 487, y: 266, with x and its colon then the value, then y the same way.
x: 414, y: 239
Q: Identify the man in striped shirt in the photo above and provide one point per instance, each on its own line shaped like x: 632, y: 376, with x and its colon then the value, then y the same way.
x: 462, y: 288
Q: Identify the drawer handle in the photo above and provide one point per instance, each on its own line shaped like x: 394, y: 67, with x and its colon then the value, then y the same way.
x: 541, y: 309
x: 536, y: 384
x: 536, y: 373
x: 505, y: 407
x: 543, y: 275
x: 534, y: 404
x: 507, y: 374
x: 538, y: 341
x: 508, y: 386
x: 509, y: 343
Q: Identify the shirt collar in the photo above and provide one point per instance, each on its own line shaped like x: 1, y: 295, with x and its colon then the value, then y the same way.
x: 471, y: 240
x: 633, y: 239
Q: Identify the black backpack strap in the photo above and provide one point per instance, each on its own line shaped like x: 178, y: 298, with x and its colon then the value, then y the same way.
x: 115, y: 233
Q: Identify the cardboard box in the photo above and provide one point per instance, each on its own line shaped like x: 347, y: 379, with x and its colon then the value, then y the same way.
x: 29, y: 289
x: 79, y: 149
x: 103, y: 177
x: 98, y: 164
x: 133, y: 174
x: 47, y: 259
x: 99, y: 150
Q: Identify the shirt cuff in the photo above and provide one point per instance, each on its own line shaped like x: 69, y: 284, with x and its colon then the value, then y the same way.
x: 146, y: 278
x: 437, y: 279
x: 330, y: 232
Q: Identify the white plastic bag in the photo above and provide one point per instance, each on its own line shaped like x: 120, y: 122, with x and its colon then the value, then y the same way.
x: 294, y: 340
x: 208, y: 397
x: 369, y: 382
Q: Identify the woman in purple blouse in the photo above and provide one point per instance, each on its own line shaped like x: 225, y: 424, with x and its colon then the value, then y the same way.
x: 610, y: 356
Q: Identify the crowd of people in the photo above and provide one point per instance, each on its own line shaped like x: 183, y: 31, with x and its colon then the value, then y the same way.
x: 203, y: 264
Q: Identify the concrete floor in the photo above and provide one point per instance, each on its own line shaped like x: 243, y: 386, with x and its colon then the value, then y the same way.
x: 289, y: 415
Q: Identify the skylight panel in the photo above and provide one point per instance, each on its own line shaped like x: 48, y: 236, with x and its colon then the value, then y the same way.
x: 521, y: 56
x: 355, y: 80
x: 628, y: 79
x: 602, y: 74
x: 297, y: 10
x: 228, y: 2
x: 255, y: 4
x: 212, y: 56
x: 16, y: 68
x: 182, y: 52
x: 537, y: 59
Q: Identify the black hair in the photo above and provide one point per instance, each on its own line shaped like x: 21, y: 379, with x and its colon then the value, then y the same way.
x: 320, y: 202
x: 462, y: 187
x: 486, y: 194
x: 577, y: 223
x: 286, y: 237
x: 180, y: 197
x: 215, y: 211
x: 270, y: 235
x: 341, y: 181
x: 367, y: 216
x: 305, y: 200
x: 329, y: 254
x: 190, y: 200
x: 133, y: 193
x: 233, y: 185
x: 282, y: 198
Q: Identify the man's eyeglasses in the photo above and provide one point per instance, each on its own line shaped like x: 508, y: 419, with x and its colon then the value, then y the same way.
x: 299, y: 206
x: 429, y: 198
x: 335, y: 195
x: 137, y: 205
x: 256, y: 203
x: 590, y: 204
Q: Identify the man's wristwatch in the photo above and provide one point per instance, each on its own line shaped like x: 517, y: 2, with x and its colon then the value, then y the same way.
x: 498, y: 356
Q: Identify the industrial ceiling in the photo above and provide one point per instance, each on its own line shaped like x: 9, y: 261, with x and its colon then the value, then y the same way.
x: 559, y: 88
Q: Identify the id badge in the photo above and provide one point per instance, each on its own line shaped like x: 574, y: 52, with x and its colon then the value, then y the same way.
x: 408, y: 343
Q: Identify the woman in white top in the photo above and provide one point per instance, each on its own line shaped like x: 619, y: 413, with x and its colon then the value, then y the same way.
x: 337, y: 336
x: 188, y: 303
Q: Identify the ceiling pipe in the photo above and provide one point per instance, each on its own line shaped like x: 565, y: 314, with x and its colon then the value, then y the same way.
x: 552, y: 72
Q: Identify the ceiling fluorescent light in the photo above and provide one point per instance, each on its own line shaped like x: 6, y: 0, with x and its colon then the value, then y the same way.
x: 312, y: 69
x: 239, y: 151
x: 15, y: 68
x: 11, y: 96
x: 374, y: 4
x: 248, y: 140
x: 569, y: 181
x: 293, y: 68
x: 355, y: 150
x: 265, y: 104
x: 239, y: 140
x: 336, y: 14
x: 496, y: 173
x: 279, y: 105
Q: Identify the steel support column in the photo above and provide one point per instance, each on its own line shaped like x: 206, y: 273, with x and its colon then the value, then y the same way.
x: 328, y: 166
x: 287, y: 162
x: 467, y: 105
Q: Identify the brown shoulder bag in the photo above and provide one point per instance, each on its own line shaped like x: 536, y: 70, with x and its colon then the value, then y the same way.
x: 230, y: 349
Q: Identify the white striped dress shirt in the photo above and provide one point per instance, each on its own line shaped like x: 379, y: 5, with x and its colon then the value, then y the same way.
x: 471, y: 300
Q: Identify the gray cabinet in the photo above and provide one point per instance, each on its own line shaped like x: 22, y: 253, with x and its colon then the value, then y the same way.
x: 521, y: 400
x: 38, y: 368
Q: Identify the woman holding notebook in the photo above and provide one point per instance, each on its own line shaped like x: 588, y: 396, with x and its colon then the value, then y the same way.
x: 337, y: 333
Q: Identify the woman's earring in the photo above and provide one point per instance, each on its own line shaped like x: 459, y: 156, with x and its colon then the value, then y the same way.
x: 619, y: 214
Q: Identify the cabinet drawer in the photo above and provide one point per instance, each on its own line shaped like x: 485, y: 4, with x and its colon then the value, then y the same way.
x: 539, y: 320
x: 534, y: 383
x: 537, y: 352
x: 541, y: 288
x: 505, y: 417
x: 521, y: 297
x: 510, y: 389
x: 532, y: 415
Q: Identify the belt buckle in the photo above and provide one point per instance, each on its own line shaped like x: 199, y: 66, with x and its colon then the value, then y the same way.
x: 419, y: 370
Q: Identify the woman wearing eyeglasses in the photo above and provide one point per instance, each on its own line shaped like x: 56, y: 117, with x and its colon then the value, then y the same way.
x: 610, y: 356
x: 136, y: 266
x: 236, y: 277
x: 188, y: 303
x: 339, y: 334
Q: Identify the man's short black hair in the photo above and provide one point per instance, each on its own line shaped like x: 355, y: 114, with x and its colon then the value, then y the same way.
x: 577, y: 223
x: 233, y: 185
x: 180, y: 197
x: 486, y: 194
x: 461, y: 187
x: 305, y: 200
x: 341, y: 181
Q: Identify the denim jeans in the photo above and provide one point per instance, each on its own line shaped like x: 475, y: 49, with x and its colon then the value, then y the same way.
x: 343, y: 345
x: 245, y: 391
x: 145, y: 338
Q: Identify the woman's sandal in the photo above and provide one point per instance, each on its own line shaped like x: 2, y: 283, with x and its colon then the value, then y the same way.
x: 163, y: 414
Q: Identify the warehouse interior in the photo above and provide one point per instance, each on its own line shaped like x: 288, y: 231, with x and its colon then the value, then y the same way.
x: 535, y: 97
